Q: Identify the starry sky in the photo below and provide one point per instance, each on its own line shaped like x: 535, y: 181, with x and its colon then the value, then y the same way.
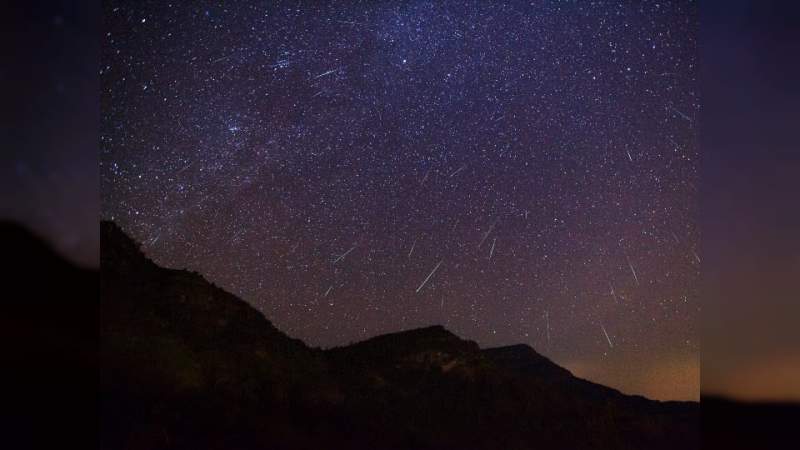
x: 520, y: 172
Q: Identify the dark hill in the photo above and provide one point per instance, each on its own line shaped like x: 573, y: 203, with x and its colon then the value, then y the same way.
x: 188, y: 365
x: 48, y: 343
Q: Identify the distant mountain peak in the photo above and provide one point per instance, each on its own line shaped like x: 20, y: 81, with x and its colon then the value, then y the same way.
x: 429, y: 338
x: 431, y: 331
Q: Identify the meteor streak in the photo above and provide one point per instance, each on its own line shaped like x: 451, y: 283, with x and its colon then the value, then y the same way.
x: 429, y: 276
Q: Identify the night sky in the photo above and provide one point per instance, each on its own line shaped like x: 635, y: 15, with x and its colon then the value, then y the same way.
x: 518, y: 172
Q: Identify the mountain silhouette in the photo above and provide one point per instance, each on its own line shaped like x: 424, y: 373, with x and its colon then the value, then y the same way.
x: 186, y: 365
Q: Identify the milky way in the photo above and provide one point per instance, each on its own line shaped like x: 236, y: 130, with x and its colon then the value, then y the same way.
x: 516, y: 172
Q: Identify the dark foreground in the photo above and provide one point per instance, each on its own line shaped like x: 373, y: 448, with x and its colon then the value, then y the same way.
x: 186, y: 365
x: 732, y: 425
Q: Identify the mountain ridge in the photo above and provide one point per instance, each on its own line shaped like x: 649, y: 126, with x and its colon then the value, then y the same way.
x: 173, y: 345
